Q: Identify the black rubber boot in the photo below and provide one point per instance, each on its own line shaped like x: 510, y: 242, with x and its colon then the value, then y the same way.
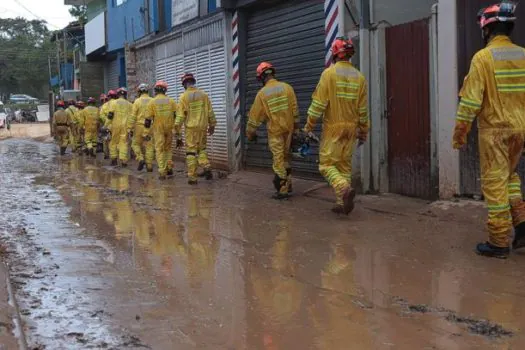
x: 519, y: 236
x: 62, y: 151
x: 208, y: 175
x: 141, y: 166
x: 338, y: 209
x: 192, y: 182
x: 106, y: 156
x: 487, y: 249
x: 170, y: 172
x: 124, y: 165
x: 281, y: 196
x: 162, y: 177
x: 289, y: 178
x: 277, y: 182
x: 149, y: 169
x: 114, y: 162
x: 348, y: 201
x: 93, y: 153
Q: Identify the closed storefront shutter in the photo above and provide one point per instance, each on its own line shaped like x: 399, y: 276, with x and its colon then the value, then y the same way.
x: 113, y: 73
x: 291, y: 37
x: 187, y: 54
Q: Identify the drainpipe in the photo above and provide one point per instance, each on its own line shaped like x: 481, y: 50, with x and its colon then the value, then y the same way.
x: 365, y: 54
x: 434, y: 98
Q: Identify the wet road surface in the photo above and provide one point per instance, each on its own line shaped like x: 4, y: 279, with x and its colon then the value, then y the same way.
x: 108, y: 258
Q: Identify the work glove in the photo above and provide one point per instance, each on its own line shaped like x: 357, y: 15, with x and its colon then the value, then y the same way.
x: 130, y: 134
x: 252, y: 137
x: 174, y: 115
x: 460, y: 136
x: 147, y: 123
x: 147, y: 138
x: 211, y: 130
x: 111, y: 115
x: 179, y: 143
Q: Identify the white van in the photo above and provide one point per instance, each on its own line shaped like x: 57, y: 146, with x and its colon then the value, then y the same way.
x: 3, y: 116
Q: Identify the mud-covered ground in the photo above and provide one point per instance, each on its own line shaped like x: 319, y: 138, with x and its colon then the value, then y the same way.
x: 104, y: 258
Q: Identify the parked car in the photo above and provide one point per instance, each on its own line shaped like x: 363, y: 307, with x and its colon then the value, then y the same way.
x: 21, y: 99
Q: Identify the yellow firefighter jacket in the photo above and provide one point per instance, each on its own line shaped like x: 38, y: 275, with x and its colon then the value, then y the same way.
x: 89, y: 118
x: 195, y: 110
x: 494, y: 89
x: 341, y: 96
x: 276, y: 103
x: 122, y: 111
x: 139, y: 111
x: 162, y: 110
x: 61, y: 118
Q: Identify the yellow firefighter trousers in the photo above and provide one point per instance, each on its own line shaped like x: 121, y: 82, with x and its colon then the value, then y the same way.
x: 91, y: 138
x: 335, y: 160
x: 196, y: 142
x: 139, y: 142
x: 118, y: 145
x: 280, y: 147
x: 500, y: 152
x: 163, y: 143
x: 75, y: 136
x: 62, y: 135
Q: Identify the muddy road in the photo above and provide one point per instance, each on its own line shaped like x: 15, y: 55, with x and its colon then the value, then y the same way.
x: 103, y: 258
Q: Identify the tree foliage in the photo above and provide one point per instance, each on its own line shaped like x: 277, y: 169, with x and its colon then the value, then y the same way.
x: 24, y: 50
x: 79, y: 12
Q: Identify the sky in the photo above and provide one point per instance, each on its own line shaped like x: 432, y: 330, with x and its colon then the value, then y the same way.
x: 54, y: 12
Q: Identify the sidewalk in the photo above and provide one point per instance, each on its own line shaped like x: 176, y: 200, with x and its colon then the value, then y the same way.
x: 7, y: 337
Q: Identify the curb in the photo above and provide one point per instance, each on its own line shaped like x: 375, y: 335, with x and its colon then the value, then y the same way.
x: 13, y: 311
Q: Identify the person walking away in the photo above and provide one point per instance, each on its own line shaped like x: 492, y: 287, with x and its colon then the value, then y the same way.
x: 78, y: 122
x: 90, y: 123
x: 195, y: 112
x: 275, y: 104
x: 141, y: 137
x: 494, y: 92
x: 119, y: 112
x: 61, y: 125
x: 71, y: 111
x: 340, y: 99
x: 162, y: 111
x: 106, y: 122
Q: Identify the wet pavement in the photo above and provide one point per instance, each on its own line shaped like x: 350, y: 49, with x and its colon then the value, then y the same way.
x: 109, y: 258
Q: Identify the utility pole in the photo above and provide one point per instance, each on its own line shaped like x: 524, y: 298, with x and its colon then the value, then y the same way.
x: 49, y: 67
x: 58, y: 58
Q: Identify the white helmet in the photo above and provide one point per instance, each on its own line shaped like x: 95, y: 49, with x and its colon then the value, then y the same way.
x: 143, y: 88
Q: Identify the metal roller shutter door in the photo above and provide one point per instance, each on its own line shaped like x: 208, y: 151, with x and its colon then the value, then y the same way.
x: 113, y: 75
x: 291, y: 36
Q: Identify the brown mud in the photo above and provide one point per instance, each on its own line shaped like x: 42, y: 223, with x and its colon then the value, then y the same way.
x: 107, y: 258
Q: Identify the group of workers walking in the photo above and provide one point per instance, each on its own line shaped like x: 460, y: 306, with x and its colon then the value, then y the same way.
x: 150, y: 123
x: 493, y: 91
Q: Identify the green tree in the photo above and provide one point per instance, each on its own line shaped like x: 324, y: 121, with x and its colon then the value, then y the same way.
x: 79, y: 12
x: 24, y: 51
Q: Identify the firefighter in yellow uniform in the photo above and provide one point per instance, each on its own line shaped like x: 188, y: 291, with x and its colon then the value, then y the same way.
x: 494, y: 91
x: 105, y: 122
x: 161, y: 119
x: 61, y: 124
x: 141, y: 136
x: 77, y: 121
x: 195, y: 112
x: 119, y: 112
x: 275, y: 103
x: 71, y: 110
x: 341, y: 100
x: 89, y: 122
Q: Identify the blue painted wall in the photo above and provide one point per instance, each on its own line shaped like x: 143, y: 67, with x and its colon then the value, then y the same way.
x: 125, y: 23
x: 155, y: 15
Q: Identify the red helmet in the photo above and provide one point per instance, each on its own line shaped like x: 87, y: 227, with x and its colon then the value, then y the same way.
x: 61, y: 103
x: 502, y: 12
x: 81, y: 104
x: 187, y: 76
x: 342, y: 48
x: 71, y: 102
x: 161, y: 85
x: 263, y: 68
x: 103, y: 97
x: 112, y: 93
x: 91, y: 101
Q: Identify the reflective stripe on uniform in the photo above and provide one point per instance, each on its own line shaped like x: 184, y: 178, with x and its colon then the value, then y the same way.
x: 469, y: 103
x: 511, y: 87
x: 346, y: 95
x: 316, y: 109
x: 347, y: 84
x: 509, y: 73
x: 498, y: 208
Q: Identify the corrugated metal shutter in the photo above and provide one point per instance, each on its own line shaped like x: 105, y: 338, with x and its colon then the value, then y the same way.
x: 113, y: 72
x: 208, y: 63
x: 291, y: 36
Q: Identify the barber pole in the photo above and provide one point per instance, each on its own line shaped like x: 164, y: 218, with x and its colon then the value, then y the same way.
x: 236, y: 93
x: 331, y: 13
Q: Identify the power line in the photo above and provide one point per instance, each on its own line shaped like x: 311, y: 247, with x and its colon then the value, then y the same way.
x: 31, y: 12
